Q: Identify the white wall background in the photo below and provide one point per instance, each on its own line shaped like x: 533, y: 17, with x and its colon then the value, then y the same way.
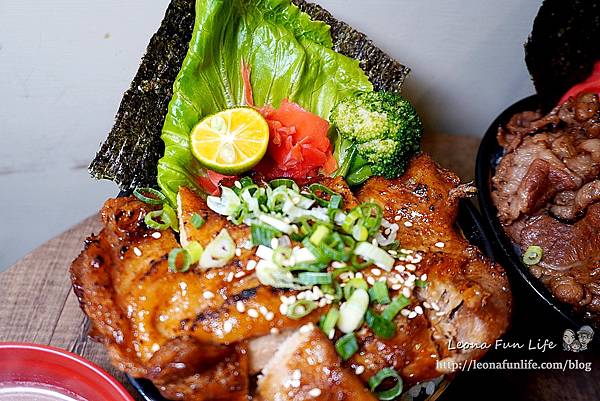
x: 64, y: 65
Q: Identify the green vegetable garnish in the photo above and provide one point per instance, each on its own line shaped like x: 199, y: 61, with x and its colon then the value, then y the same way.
x: 346, y: 346
x: 533, y: 255
x: 379, y: 377
x: 301, y: 308
x: 382, y: 328
x: 290, y: 56
x: 385, y: 130
x: 197, y: 221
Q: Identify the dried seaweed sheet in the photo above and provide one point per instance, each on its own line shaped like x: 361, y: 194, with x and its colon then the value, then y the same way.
x: 563, y: 46
x: 130, y: 154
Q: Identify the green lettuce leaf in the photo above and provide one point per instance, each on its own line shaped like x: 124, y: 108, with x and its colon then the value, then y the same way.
x: 290, y: 57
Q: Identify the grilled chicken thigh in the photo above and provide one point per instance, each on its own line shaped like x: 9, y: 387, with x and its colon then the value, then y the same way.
x: 199, y: 335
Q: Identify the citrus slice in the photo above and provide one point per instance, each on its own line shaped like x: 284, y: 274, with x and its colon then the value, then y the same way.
x: 231, y: 141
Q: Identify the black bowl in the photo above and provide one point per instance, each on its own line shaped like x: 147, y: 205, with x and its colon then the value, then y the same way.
x: 507, y: 252
x: 469, y: 222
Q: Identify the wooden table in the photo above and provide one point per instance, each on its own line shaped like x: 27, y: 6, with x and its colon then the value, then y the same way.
x: 38, y: 306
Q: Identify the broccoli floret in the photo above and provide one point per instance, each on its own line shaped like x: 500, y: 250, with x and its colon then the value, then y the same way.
x: 385, y: 130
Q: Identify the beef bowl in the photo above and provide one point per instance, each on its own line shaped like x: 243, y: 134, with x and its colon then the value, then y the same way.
x: 537, y: 179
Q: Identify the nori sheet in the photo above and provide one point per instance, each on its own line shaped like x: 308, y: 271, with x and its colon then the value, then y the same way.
x: 130, y: 154
x: 563, y: 46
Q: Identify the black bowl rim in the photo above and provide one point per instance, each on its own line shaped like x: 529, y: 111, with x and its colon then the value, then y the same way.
x: 469, y: 221
x: 487, y: 154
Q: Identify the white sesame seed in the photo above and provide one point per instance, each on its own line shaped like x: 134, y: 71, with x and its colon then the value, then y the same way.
x: 396, y: 287
x: 424, y: 277
x: 434, y: 306
x: 252, y: 313
x: 426, y: 305
x: 263, y: 310
x: 306, y: 328
x: 208, y: 295
x: 370, y: 280
x: 237, y: 184
x: 404, y: 312
x: 440, y: 244
x: 274, y: 330
x: 337, y: 265
x: 397, y: 218
x: 296, y: 374
x: 292, y: 299
x: 322, y: 302
x: 383, y: 279
x: 400, y: 268
x: 359, y: 370
x: 240, y: 306
x: 358, y: 275
x: 283, y: 309
x: 406, y: 292
x: 315, y: 392
x: 419, y: 310
x: 302, y: 295
x: 269, y: 316
x: 392, y: 252
x: 295, y: 383
x: 412, y: 315
x: 411, y: 267
x: 440, y: 313
x: 229, y: 277
x: 408, y: 224
x: 251, y: 265
x: 156, y: 235
x: 238, y: 252
x: 283, y: 299
x: 376, y: 272
x: 239, y: 274
x: 331, y: 334
x: 227, y: 326
x: 137, y: 251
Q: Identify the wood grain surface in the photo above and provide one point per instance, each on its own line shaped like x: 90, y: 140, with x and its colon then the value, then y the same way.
x: 39, y: 306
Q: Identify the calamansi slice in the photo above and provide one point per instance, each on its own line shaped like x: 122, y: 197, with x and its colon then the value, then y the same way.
x: 231, y: 141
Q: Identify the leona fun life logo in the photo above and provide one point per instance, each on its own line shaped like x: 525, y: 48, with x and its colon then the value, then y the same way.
x: 576, y: 342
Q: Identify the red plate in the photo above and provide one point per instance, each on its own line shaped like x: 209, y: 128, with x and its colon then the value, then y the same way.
x: 38, y: 372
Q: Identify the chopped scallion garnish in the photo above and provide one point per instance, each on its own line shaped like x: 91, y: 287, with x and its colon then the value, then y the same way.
x: 375, y: 255
x: 195, y: 250
x: 157, y: 220
x: 386, y: 374
x: 301, y: 308
x: 319, y: 234
x: 311, y: 278
x: 397, y: 304
x: 353, y: 310
x: 421, y: 283
x: 219, y: 251
x: 263, y: 234
x: 179, y: 267
x: 382, y: 328
x: 197, y: 221
x: 379, y: 293
x: 353, y: 284
x: 329, y: 320
x: 346, y: 346
x: 156, y: 197
x: 533, y: 255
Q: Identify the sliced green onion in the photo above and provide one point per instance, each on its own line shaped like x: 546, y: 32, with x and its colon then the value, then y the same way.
x: 310, y: 278
x: 360, y: 233
x: 301, y: 308
x: 262, y: 234
x: 397, y: 304
x: 270, y: 274
x: 276, y: 223
x: 197, y: 221
x: 357, y: 264
x: 172, y: 216
x: 375, y: 255
x: 173, y: 262
x: 352, y: 285
x: 379, y: 293
x: 284, y: 182
x: 533, y: 255
x: 421, y: 283
x: 319, y: 234
x: 381, y: 376
x: 151, y: 220
x: 317, y: 190
x: 195, y: 250
x: 282, y: 256
x: 346, y: 346
x: 219, y: 251
x: 335, y: 201
x: 372, y: 216
x: 228, y: 204
x: 351, y: 219
x: 156, y: 198
x: 246, y: 182
x: 353, y: 310
x: 382, y: 328
x: 329, y: 320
